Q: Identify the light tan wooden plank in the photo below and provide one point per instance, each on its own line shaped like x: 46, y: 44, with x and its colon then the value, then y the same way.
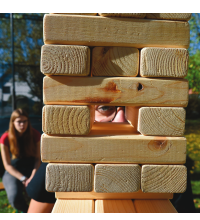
x: 136, y: 91
x: 114, y: 149
x: 66, y: 60
x: 164, y: 178
x: 117, y: 128
x: 125, y: 15
x: 114, y: 206
x: 162, y: 121
x: 124, y: 32
x: 91, y: 14
x: 69, y: 177
x: 115, y: 61
x: 154, y: 206
x: 117, y: 178
x: 131, y: 114
x: 94, y: 195
x: 170, y: 16
x: 73, y: 206
x: 164, y: 62
x: 71, y: 120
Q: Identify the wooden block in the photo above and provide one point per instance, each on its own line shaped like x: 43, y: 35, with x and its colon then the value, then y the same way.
x: 114, y: 149
x: 123, y: 32
x: 73, y: 206
x: 117, y: 128
x: 162, y: 121
x: 115, y: 61
x: 125, y: 15
x: 170, y: 16
x: 91, y: 14
x: 69, y: 177
x: 71, y: 120
x: 94, y: 195
x: 68, y: 60
x: 164, y: 62
x: 154, y: 206
x: 117, y: 178
x: 131, y: 114
x: 114, y: 206
x: 164, y: 178
x: 136, y: 91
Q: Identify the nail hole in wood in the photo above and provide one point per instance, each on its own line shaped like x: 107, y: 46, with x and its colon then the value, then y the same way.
x: 139, y: 87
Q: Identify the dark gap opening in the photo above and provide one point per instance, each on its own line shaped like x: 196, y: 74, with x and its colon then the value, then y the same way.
x: 139, y: 87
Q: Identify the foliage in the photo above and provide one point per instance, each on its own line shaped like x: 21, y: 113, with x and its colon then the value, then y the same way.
x: 28, y: 39
x: 193, y: 144
x: 194, y: 59
x: 194, y: 71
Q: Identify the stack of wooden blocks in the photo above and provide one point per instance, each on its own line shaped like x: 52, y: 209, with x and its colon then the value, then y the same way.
x: 93, y: 60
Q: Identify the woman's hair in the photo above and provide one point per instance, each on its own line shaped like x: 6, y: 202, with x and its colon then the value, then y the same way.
x: 24, y: 145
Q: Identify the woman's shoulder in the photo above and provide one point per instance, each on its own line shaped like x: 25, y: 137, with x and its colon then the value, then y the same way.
x: 36, y: 135
x: 4, y: 139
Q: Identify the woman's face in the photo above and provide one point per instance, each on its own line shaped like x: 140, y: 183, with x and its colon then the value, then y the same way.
x: 21, y: 124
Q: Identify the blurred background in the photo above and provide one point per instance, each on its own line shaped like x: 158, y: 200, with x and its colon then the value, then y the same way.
x: 21, y: 38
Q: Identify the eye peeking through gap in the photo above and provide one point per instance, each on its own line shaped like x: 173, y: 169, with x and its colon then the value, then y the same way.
x: 109, y: 113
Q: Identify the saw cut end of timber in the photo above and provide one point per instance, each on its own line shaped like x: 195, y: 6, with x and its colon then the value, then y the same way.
x: 161, y: 121
x: 69, y: 177
x: 164, y: 178
x: 68, y: 120
x: 117, y: 178
x: 164, y: 62
x: 170, y: 16
x: 68, y: 60
x: 115, y: 61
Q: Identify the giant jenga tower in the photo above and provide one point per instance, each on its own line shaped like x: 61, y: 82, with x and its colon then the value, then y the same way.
x: 133, y: 60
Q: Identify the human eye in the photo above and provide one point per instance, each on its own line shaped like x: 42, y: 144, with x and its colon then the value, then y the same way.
x: 106, y: 110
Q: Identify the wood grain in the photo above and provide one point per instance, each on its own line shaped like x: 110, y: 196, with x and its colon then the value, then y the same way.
x: 131, y: 114
x: 114, y: 149
x: 161, y: 121
x: 94, y: 195
x: 164, y: 62
x: 114, y: 206
x: 164, y: 178
x: 170, y: 16
x: 73, y: 206
x: 154, y: 206
x: 115, y: 61
x: 91, y: 14
x: 135, y: 91
x: 123, y: 32
x: 71, y: 120
x: 69, y: 177
x: 117, y: 178
x: 66, y: 60
x: 125, y: 15
x: 117, y: 128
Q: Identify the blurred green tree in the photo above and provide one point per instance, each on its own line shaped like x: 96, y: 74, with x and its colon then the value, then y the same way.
x: 28, y: 39
x: 194, y: 51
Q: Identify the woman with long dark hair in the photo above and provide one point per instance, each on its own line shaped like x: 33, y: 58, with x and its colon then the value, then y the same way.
x: 20, y: 151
